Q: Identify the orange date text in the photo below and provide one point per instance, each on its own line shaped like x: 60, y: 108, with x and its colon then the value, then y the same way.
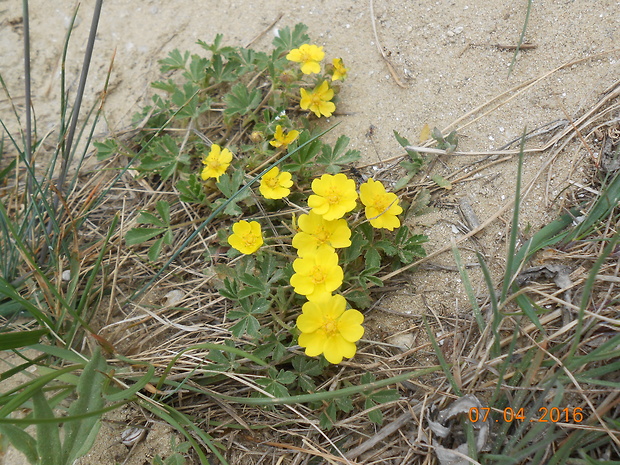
x: 545, y: 415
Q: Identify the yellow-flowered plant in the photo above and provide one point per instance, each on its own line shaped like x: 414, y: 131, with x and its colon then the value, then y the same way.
x: 318, y: 100
x: 275, y: 184
x: 334, y: 195
x: 317, y: 274
x: 280, y: 139
x: 216, y: 163
x: 316, y: 233
x: 247, y: 237
x: 381, y: 207
x: 328, y: 328
x: 339, y: 72
x: 310, y: 57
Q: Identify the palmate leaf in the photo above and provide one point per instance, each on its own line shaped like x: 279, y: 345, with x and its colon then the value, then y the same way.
x: 248, y: 324
x: 163, y: 158
x: 288, y: 40
x: 173, y: 61
x: 192, y: 190
x: 333, y: 159
x: 139, y: 235
x: 240, y: 100
x: 304, y: 157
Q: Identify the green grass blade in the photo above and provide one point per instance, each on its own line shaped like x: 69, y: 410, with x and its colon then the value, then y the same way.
x: 327, y: 395
x: 602, y: 208
x: 13, y: 399
x: 18, y: 339
x: 134, y: 388
x: 179, y: 421
x: 521, y: 37
x: 469, y: 290
x: 89, y: 390
x: 22, y: 441
x: 511, y: 268
x: 587, y: 292
x: 48, y: 437
x: 445, y: 366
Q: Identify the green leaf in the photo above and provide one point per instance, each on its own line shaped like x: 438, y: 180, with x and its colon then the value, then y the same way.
x: 304, y: 157
x: 196, y: 72
x: 174, y: 61
x: 220, y: 71
x: 447, y: 143
x: 155, y: 249
x: 441, y: 182
x: 360, y: 299
x: 192, y: 190
x: 412, y: 166
x: 241, y: 101
x: 21, y: 440
x: 17, y: 339
x: 385, y: 395
x: 164, y: 158
x: 248, y: 324
x: 409, y: 246
x: 355, y: 249
x: 163, y: 208
x: 334, y: 158
x: 387, y: 247
x: 139, y: 235
x: 48, y: 436
x: 287, y: 40
x: 105, y: 149
x: 80, y: 435
x: 372, y: 258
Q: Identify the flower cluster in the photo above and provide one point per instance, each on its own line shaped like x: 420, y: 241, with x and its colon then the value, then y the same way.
x: 326, y: 326
x: 319, y: 99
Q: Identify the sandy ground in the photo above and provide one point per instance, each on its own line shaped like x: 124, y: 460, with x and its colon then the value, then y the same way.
x: 446, y: 60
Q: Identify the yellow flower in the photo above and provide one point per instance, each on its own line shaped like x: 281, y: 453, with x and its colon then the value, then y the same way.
x: 328, y: 328
x: 381, y: 206
x: 317, y: 274
x: 335, y: 196
x: 317, y: 233
x: 216, y: 163
x: 282, y: 140
x: 340, y: 72
x: 275, y: 185
x: 318, y: 101
x: 309, y: 56
x: 246, y: 237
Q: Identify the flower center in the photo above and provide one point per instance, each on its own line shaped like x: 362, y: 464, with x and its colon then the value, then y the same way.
x: 330, y: 326
x: 272, y: 182
x: 333, y: 196
x: 249, y: 239
x: 322, y: 235
x: 317, y: 101
x: 215, y: 165
x: 317, y: 275
x: 382, y: 204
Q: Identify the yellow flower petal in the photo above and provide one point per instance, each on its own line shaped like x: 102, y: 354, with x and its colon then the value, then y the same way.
x: 318, y: 101
x: 381, y: 206
x: 335, y: 348
x: 334, y: 196
x: 247, y: 237
x: 328, y: 329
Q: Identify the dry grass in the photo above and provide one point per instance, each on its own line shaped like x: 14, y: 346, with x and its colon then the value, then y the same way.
x: 156, y: 329
x: 512, y: 364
